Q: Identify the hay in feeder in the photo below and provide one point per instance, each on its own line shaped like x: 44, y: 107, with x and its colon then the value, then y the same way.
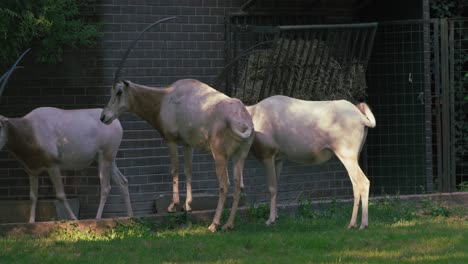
x: 288, y: 70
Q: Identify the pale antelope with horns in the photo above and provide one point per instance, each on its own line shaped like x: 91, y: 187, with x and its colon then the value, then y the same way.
x: 310, y: 132
x: 193, y: 114
x: 50, y: 139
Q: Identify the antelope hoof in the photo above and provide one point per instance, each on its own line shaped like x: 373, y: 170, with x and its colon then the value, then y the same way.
x: 187, y: 208
x: 227, y: 227
x: 172, y: 208
x: 362, y: 227
x: 212, y: 227
x: 351, y: 226
x: 73, y: 217
x: 270, y: 222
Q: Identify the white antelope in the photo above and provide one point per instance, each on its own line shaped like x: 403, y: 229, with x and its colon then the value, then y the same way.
x: 309, y: 132
x: 50, y: 139
x: 193, y: 114
x: 196, y: 115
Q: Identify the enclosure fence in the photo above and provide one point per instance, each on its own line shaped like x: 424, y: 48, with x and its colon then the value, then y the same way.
x: 415, y: 82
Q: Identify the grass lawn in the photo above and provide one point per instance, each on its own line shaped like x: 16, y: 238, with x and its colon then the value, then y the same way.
x: 398, y: 232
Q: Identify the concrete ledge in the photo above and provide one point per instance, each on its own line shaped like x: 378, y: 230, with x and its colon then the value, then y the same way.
x: 200, y: 202
x: 458, y: 199
x: 47, y: 210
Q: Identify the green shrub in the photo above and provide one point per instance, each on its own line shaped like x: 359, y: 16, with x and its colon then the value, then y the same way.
x: 48, y: 26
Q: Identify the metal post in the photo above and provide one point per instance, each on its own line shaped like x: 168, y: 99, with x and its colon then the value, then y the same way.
x: 445, y: 96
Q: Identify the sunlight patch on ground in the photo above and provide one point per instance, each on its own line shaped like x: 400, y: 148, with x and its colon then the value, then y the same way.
x: 184, y: 231
x: 404, y: 223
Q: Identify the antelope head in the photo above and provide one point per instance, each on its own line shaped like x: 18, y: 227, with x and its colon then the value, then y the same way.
x: 119, y: 101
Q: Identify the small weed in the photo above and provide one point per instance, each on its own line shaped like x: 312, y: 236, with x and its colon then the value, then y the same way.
x: 432, y: 208
x: 305, y: 210
x: 172, y: 221
x: 463, y: 187
x: 258, y: 212
x: 392, y: 209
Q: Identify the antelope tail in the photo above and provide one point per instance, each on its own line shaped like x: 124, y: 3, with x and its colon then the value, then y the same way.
x: 244, y: 135
x: 368, y: 118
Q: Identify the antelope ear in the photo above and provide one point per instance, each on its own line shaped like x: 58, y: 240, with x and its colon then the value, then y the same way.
x: 3, y: 119
x: 127, y: 83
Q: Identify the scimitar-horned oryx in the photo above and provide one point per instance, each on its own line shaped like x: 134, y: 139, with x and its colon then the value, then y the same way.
x: 50, y: 139
x: 193, y: 114
x: 309, y: 132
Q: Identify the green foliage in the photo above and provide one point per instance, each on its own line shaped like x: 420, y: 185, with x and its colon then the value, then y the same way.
x: 49, y: 26
x: 447, y: 8
x: 305, y: 209
x: 332, y: 210
x: 175, y: 220
x: 392, y: 209
x: 463, y: 187
x: 434, y: 209
x: 258, y: 212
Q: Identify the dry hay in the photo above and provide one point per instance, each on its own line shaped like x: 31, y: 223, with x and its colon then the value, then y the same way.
x: 310, y: 78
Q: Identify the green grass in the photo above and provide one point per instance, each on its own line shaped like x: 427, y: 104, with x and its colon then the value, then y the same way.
x: 398, y: 232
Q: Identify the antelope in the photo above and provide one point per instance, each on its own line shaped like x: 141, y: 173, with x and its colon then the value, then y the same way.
x: 194, y: 114
x: 50, y: 139
x: 310, y: 132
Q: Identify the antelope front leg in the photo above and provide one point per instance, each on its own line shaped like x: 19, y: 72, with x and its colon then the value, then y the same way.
x: 221, y: 172
x: 56, y: 178
x: 188, y: 154
x: 33, y: 186
x: 175, y: 177
x: 104, y: 177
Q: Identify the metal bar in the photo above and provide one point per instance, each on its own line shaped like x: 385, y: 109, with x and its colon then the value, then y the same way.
x: 246, y: 70
x: 312, y: 64
x: 227, y: 89
x: 303, y: 67
x: 319, y: 65
x: 362, y: 46
x: 259, y: 29
x: 331, y: 77
x: 445, y: 107
x: 290, y: 68
x: 329, y: 26
x: 275, y: 66
x: 427, y: 106
x: 453, y: 141
x: 283, y: 66
x: 257, y: 64
x: 231, y: 64
x: 330, y: 55
x: 346, y: 49
x: 268, y: 71
x: 353, y: 51
x: 437, y: 102
x: 369, y: 41
x: 344, y: 61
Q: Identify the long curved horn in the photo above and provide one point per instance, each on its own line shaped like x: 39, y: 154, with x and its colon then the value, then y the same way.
x: 7, y: 74
x: 130, y: 47
x: 244, y: 53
